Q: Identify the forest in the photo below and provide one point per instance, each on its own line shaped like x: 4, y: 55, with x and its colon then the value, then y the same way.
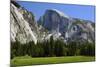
x: 52, y: 48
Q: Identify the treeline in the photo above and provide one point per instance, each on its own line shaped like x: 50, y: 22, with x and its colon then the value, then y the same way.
x: 52, y: 48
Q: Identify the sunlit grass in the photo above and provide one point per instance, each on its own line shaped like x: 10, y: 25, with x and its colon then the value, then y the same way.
x: 24, y: 61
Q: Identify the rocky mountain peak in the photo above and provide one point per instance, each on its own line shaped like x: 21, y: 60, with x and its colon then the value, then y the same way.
x: 61, y: 14
x: 69, y: 28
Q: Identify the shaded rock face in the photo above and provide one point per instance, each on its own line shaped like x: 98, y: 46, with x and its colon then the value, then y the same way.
x: 71, y: 29
x: 53, y: 19
x: 23, y: 25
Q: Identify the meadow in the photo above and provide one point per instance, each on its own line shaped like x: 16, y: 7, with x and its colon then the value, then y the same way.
x: 27, y: 60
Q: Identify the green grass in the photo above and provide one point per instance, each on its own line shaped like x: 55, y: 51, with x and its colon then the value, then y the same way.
x: 24, y: 61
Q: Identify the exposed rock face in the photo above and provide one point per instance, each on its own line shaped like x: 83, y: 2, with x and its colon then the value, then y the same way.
x: 24, y: 28
x: 69, y: 28
x: 23, y: 24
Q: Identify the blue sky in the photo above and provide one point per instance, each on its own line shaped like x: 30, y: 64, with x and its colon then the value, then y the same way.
x: 85, y: 12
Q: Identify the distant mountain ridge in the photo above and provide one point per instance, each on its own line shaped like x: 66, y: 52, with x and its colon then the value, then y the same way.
x: 25, y: 28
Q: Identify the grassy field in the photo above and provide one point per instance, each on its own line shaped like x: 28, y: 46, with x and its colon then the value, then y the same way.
x: 24, y: 61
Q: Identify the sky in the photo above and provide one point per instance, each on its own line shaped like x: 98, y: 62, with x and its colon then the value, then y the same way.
x: 86, y: 12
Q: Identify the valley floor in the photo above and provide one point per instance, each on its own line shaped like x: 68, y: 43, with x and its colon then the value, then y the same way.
x: 26, y: 60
